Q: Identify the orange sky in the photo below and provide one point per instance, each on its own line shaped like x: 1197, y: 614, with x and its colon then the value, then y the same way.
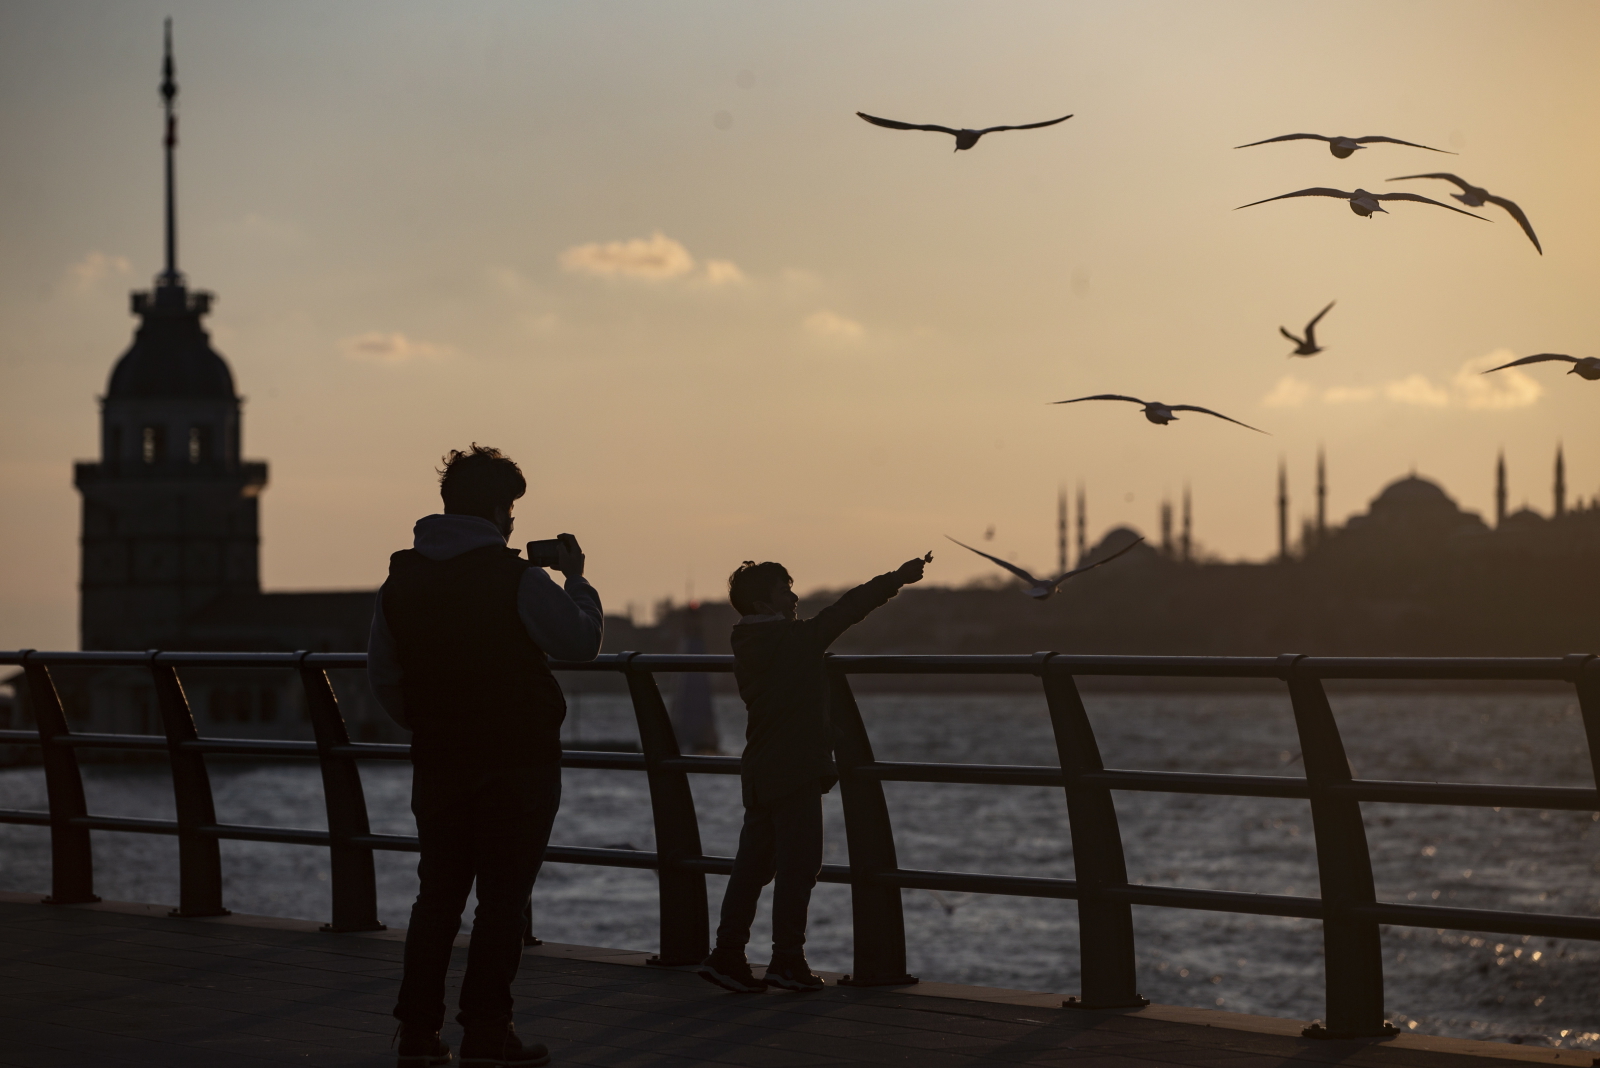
x: 649, y: 251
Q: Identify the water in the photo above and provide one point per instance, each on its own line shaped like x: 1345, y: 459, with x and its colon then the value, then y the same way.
x: 1466, y: 985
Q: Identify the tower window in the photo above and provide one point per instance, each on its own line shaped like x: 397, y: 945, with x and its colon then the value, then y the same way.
x: 200, y: 445
x: 114, y: 444
x: 153, y: 444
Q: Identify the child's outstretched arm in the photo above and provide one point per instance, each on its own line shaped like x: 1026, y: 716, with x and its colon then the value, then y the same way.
x: 859, y: 603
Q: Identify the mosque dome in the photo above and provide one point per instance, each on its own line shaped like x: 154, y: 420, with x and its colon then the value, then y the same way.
x: 171, y: 355
x: 1413, y: 494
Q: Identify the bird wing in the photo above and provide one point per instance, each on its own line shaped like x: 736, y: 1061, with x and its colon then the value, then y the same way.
x: 1424, y: 200
x: 1101, y: 396
x: 1397, y: 141
x: 1029, y: 126
x: 1543, y: 357
x: 1285, y: 332
x: 1013, y: 568
x: 1208, y: 411
x: 1314, y: 191
x: 1312, y: 325
x: 1287, y: 137
x: 1097, y: 563
x: 891, y: 124
x: 1522, y: 220
x: 1462, y: 182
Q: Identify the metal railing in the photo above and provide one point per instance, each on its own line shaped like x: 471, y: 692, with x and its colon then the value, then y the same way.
x: 1348, y: 905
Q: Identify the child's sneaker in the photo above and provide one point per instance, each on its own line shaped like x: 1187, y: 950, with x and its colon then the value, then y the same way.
x: 728, y: 969
x: 792, y: 973
x: 421, y: 1049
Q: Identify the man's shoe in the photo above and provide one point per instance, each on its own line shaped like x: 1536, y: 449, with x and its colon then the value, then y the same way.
x: 422, y: 1049
x: 729, y: 970
x: 497, y: 1046
x: 792, y: 973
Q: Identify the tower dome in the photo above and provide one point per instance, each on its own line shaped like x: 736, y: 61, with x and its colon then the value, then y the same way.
x: 171, y: 355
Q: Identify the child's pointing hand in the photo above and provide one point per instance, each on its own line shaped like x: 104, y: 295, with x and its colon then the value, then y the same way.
x: 911, y: 571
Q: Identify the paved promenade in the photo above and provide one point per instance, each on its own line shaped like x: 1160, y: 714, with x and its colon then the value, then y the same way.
x: 116, y: 984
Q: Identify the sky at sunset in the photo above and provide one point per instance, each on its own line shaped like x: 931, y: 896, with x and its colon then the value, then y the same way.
x: 649, y: 251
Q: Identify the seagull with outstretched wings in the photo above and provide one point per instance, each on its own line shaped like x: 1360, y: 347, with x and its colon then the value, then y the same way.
x: 1344, y: 147
x: 1307, y: 346
x: 1361, y: 202
x: 1475, y: 196
x: 965, y: 139
x: 1039, y: 589
x: 1158, y: 413
x: 1586, y: 367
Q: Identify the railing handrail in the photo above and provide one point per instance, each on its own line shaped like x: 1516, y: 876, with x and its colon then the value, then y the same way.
x: 1347, y: 907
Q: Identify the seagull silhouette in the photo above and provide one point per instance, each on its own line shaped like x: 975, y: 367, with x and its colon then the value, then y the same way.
x: 965, y: 139
x: 1362, y: 202
x: 1039, y: 589
x: 1474, y: 196
x: 1158, y: 413
x: 1307, y: 346
x: 1344, y: 147
x: 1587, y: 367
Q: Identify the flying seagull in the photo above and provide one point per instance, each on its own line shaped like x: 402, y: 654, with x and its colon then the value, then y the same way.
x: 964, y: 138
x: 1307, y: 346
x: 1362, y: 202
x: 1476, y: 197
x: 1158, y: 413
x: 1344, y: 147
x: 1039, y: 589
x: 1587, y: 367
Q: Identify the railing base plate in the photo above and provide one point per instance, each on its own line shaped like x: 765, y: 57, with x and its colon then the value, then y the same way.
x: 1137, y: 1002
x: 879, y: 980
x: 329, y: 928
x: 1320, y: 1032
x: 90, y: 900
x: 179, y: 914
x: 655, y: 961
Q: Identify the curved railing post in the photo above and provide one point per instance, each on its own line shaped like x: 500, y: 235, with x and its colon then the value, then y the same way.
x: 1105, y: 927
x: 876, y: 912
x: 1352, y: 952
x: 71, y: 856
x: 685, y: 921
x: 352, y: 881
x: 199, y: 855
x: 1586, y: 679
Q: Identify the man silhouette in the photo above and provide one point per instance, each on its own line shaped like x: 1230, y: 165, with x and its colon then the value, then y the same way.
x: 457, y: 656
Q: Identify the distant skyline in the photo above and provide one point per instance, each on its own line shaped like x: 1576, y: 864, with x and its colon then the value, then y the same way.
x: 651, y: 253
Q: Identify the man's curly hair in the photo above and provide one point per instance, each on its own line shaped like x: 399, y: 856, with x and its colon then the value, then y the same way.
x: 479, y: 481
x: 752, y: 582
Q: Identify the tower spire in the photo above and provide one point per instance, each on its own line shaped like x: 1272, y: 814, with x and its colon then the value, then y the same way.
x: 1083, y: 527
x: 1061, y: 528
x: 1322, y: 496
x: 1500, y: 489
x: 1561, y: 482
x: 1283, y: 511
x: 1186, y: 544
x: 169, y: 96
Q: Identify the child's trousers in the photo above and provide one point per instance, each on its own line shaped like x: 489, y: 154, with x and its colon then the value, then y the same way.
x: 782, y: 839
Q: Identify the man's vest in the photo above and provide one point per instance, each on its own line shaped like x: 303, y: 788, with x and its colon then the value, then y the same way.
x: 478, y: 690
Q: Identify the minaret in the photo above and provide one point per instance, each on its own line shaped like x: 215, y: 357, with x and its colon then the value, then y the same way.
x: 1283, y: 512
x: 169, y: 510
x: 1083, y: 528
x: 1561, y: 483
x: 1186, y: 543
x: 1322, y: 496
x: 1167, y: 548
x: 1500, y: 489
x: 1061, y: 529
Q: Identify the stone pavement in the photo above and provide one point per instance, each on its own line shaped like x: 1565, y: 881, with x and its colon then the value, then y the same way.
x: 115, y: 984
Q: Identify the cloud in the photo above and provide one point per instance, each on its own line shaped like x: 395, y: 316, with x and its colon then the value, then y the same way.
x: 1347, y: 394
x: 96, y: 267
x: 833, y: 327
x: 1416, y: 389
x: 1510, y: 388
x: 392, y: 349
x: 1290, y: 392
x: 656, y: 258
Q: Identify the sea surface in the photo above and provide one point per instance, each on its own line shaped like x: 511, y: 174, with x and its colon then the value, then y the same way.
x: 1517, y: 989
